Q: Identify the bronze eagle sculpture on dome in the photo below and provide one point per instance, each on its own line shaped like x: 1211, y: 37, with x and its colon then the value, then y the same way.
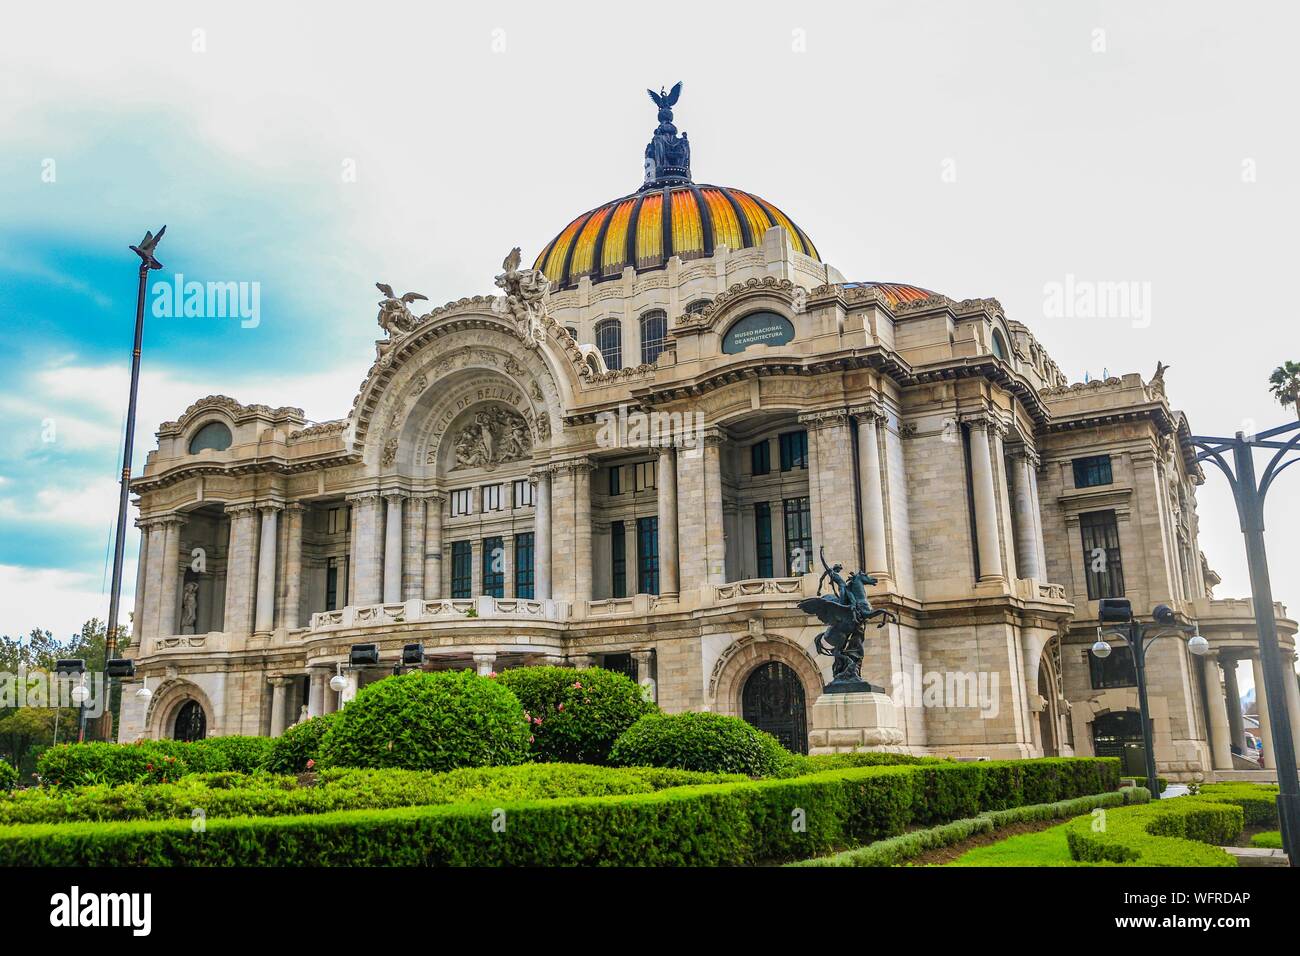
x: 845, y: 613
x: 666, y: 101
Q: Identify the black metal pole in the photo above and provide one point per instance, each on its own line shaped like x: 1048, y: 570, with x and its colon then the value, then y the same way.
x: 1251, y: 512
x: 147, y: 262
x: 1137, y: 641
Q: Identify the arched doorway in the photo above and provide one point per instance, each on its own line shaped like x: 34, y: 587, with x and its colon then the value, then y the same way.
x: 773, y: 701
x: 1119, y: 734
x: 191, y: 722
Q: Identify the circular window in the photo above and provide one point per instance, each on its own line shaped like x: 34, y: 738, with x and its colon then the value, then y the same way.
x: 757, y: 328
x: 214, y: 435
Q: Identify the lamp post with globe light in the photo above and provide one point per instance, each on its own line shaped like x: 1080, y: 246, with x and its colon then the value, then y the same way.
x: 1118, y: 612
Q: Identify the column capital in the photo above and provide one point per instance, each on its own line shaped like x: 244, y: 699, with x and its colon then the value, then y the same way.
x: 396, y: 494
x: 438, y: 496
x: 241, y: 509
x: 360, y: 497
x: 983, y: 419
x: 295, y: 508
x: 872, y: 412
x: 1019, y: 449
x: 574, y: 465
x: 162, y: 520
x: 270, y: 507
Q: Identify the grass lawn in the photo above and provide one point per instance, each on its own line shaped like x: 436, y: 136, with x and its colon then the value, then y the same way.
x: 1044, y: 848
x: 1269, y: 840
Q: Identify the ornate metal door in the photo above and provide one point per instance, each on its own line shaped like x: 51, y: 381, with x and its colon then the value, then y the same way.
x: 773, y: 701
x: 191, y: 724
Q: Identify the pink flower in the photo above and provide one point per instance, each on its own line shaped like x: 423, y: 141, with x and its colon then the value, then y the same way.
x: 559, y: 707
x: 531, y: 738
x: 577, y: 685
x: 492, y: 673
x: 311, y: 764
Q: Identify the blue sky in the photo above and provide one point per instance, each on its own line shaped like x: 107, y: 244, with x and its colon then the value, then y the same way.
x: 472, y: 130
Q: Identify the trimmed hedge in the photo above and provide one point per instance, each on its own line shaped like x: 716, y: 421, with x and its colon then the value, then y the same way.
x: 726, y: 824
x: 1268, y: 840
x: 699, y: 740
x: 907, y: 846
x: 299, y: 746
x: 261, y: 795
x: 798, y: 765
x: 157, y: 761
x: 8, y: 777
x: 576, y: 715
x: 1162, y: 782
x: 1258, y: 801
x: 1180, y: 832
x: 425, y: 720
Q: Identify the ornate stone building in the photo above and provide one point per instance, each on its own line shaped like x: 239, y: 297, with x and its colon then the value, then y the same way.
x: 637, y: 465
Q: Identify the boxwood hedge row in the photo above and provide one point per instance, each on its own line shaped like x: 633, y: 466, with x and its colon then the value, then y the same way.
x: 1185, y: 831
x: 726, y: 824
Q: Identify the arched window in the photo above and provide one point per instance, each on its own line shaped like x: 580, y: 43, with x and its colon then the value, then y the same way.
x: 214, y: 435
x: 698, y: 305
x: 654, y: 335
x: 573, y: 331
x: 1000, y: 346
x: 191, y: 723
x: 609, y: 339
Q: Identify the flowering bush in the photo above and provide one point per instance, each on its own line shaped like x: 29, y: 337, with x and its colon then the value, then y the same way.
x: 428, y: 721
x: 700, y: 741
x: 576, y: 715
x: 298, y: 748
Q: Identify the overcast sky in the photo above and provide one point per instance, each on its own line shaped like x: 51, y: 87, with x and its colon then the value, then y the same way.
x: 986, y: 149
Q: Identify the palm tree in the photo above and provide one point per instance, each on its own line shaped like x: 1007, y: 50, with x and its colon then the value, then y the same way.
x: 1284, y: 383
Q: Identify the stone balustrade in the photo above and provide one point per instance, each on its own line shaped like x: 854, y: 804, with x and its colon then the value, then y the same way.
x: 415, y: 611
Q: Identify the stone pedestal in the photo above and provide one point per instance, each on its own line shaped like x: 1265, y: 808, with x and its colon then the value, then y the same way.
x: 843, y: 723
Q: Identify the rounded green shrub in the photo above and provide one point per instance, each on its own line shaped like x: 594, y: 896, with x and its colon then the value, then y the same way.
x: 429, y: 721
x: 576, y: 715
x: 297, y: 750
x: 241, y: 754
x: 700, y: 741
x: 8, y: 777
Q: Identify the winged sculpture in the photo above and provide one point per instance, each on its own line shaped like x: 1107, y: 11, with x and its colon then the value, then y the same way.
x: 666, y: 101
x: 395, y: 316
x: 845, y: 612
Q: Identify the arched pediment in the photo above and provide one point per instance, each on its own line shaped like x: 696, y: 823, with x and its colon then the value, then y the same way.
x: 778, y: 295
x: 412, y: 363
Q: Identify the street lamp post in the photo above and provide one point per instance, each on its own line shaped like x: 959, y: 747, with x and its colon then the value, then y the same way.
x: 1249, y: 494
x: 1140, y: 637
x: 147, y: 262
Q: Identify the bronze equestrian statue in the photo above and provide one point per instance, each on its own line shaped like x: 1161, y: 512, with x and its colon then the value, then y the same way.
x: 845, y: 613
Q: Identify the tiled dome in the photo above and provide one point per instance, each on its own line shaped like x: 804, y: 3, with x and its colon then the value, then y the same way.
x: 647, y: 228
x: 894, y: 292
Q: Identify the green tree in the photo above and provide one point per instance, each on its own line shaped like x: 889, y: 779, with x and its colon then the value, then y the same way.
x: 1284, y: 383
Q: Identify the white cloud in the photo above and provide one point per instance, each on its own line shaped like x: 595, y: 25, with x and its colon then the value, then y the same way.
x: 58, y: 601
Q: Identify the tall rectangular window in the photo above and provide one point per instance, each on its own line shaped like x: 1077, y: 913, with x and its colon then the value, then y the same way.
x: 618, y: 558
x: 647, y: 555
x: 523, y: 493
x: 462, y: 501
x: 1101, y: 559
x: 615, y: 479
x: 462, y: 569
x: 337, y: 520
x: 491, y: 498
x: 646, y: 473
x: 336, y: 583
x: 763, y: 537
x: 1116, y: 670
x: 798, y: 536
x: 794, y: 450
x: 1089, y: 472
x: 524, y: 571
x: 760, y: 458
x: 494, y: 566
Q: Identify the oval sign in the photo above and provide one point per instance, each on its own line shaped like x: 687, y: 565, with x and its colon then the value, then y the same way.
x: 757, y: 328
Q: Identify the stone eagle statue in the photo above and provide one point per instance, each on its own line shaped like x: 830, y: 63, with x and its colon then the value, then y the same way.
x: 395, y: 316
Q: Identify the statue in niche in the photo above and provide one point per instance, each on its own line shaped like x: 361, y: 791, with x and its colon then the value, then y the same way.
x: 190, y: 607
x: 495, y: 436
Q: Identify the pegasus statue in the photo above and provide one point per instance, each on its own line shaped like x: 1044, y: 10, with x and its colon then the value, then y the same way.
x: 846, y: 612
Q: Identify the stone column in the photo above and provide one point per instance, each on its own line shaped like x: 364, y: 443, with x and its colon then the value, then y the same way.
x: 666, y: 491
x: 645, y: 667
x: 1036, y: 509
x: 582, y: 470
x: 168, y: 594
x: 1232, y: 694
x: 1023, y: 510
x: 631, y: 573
x: 986, y: 506
x: 413, y: 552
x: 433, y: 547
x: 153, y: 587
x: 1261, y: 705
x: 264, y: 622
x: 393, y: 549
x: 367, y: 548
x: 602, y: 566
x: 1220, y: 728
x: 241, y: 569
x: 485, y: 663
x: 542, y: 534
x: 294, y: 515
x: 316, y: 692
x: 1292, y: 697
x: 563, y: 579
x: 830, y: 489
x: 715, y: 536
x: 874, y: 545
x: 141, y: 573
x: 278, y: 687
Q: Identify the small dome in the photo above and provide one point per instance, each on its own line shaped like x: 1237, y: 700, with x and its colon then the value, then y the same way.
x: 894, y: 292
x: 644, y: 230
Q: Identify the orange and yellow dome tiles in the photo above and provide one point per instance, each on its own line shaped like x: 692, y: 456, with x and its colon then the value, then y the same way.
x: 646, y: 229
